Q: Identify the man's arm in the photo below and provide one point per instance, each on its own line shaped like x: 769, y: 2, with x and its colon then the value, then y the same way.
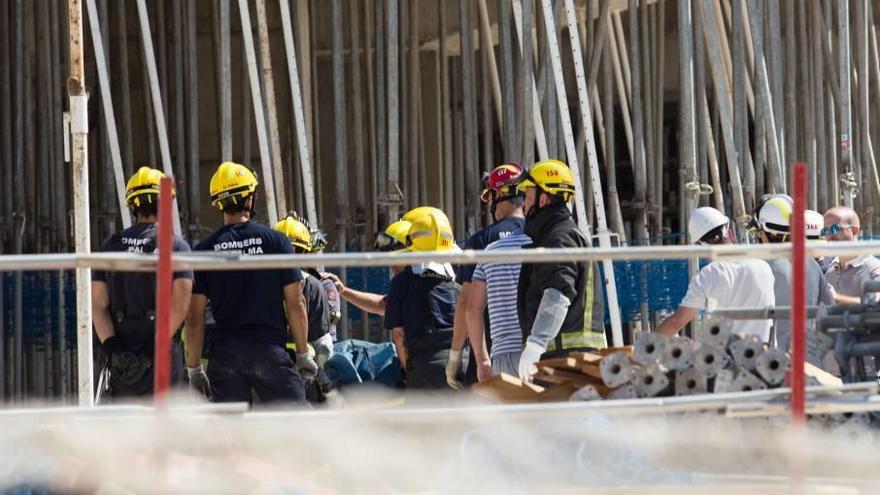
x: 397, y: 337
x: 682, y: 316
x: 476, y: 326
x: 297, y: 315
x: 181, y: 293
x: 459, y: 323
x: 101, y: 311
x: 194, y: 330
x: 366, y: 301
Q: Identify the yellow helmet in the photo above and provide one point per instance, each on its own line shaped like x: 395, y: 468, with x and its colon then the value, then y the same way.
x: 297, y: 232
x: 552, y: 177
x: 143, y: 187
x: 231, y: 184
x: 430, y: 232
x: 411, y: 215
x: 393, y: 238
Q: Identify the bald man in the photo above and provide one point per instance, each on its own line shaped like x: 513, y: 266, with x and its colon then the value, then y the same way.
x: 847, y: 273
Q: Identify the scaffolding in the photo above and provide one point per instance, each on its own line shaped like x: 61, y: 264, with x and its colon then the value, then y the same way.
x: 363, y: 108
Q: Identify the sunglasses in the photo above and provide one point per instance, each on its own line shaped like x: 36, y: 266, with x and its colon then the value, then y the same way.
x: 833, y: 229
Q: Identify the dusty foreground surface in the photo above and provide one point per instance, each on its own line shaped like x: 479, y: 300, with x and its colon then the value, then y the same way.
x: 381, y: 446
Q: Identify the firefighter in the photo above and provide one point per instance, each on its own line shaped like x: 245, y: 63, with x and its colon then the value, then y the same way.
x: 420, y: 305
x: 560, y: 304
x: 317, y: 306
x: 123, y: 303
x: 247, y: 355
x: 507, y: 218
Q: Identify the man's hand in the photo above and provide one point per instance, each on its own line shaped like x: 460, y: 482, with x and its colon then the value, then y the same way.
x: 453, y: 368
x: 304, y: 362
x: 530, y: 355
x: 484, y: 371
x: 199, y: 386
x: 335, y: 279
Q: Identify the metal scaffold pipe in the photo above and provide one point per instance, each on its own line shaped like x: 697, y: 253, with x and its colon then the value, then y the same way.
x: 598, y: 198
x: 79, y: 119
x: 107, y: 106
x: 299, y: 116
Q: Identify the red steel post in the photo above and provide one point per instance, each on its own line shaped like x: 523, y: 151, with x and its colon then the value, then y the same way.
x: 162, y: 359
x: 798, y: 293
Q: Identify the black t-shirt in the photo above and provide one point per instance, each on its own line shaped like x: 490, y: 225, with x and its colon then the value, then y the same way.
x: 316, y: 304
x: 133, y: 294
x: 484, y: 237
x: 252, y: 299
x: 424, y: 306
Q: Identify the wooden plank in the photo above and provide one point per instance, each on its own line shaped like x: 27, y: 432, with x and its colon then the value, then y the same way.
x: 508, y: 389
x: 575, y: 377
x: 628, y: 350
x: 822, y: 376
x: 557, y: 393
x: 567, y: 363
x: 592, y: 370
x: 586, y: 357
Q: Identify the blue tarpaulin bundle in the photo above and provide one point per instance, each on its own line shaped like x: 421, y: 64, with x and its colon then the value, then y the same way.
x: 357, y: 361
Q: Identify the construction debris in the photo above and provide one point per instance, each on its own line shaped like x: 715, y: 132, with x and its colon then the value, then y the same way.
x: 655, y: 366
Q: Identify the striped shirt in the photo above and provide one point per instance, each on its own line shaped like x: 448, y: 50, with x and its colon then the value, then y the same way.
x: 501, y: 281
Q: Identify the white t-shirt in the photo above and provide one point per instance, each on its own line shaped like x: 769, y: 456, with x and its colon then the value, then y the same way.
x: 734, y: 284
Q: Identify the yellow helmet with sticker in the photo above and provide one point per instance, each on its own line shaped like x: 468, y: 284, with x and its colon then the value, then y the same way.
x: 551, y: 176
x: 231, y: 185
x: 430, y: 231
x: 143, y: 187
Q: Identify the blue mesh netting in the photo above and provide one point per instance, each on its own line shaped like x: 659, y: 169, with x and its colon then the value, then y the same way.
x: 663, y: 285
x: 660, y: 283
x: 39, y: 304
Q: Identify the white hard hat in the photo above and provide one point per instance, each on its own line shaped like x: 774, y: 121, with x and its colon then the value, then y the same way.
x: 774, y: 214
x: 704, y: 220
x: 813, y: 222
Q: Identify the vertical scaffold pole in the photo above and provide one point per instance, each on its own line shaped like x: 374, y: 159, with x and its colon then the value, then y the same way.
x: 79, y: 119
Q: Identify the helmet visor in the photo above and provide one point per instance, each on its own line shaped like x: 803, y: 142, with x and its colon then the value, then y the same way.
x: 386, y: 243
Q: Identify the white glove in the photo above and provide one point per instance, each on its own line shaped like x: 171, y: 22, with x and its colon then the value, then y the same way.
x: 304, y: 362
x: 531, y: 354
x: 453, y: 368
x: 199, y: 386
x: 323, y: 348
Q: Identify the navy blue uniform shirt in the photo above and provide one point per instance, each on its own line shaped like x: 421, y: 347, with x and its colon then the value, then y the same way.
x: 485, y: 236
x: 133, y: 294
x: 421, y: 304
x: 247, y: 299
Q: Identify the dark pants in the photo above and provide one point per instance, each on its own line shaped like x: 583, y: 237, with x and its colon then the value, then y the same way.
x: 240, y: 367
x: 427, y: 371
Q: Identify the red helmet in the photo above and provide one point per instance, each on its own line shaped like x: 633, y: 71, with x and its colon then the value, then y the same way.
x: 501, y: 182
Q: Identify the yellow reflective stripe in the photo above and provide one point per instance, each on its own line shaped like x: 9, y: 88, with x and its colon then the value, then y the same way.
x: 586, y: 337
x: 575, y: 340
x: 588, y: 304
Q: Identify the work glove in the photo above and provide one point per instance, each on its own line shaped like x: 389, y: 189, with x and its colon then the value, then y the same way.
x: 111, y: 345
x: 531, y: 354
x: 126, y: 366
x: 304, y: 362
x: 453, y: 368
x: 199, y: 386
x: 323, y: 349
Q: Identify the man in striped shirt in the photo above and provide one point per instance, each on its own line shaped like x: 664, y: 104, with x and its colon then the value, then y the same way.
x: 495, y: 284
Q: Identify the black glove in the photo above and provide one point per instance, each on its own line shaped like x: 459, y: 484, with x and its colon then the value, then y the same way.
x: 199, y: 386
x: 110, y: 346
x: 126, y: 367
